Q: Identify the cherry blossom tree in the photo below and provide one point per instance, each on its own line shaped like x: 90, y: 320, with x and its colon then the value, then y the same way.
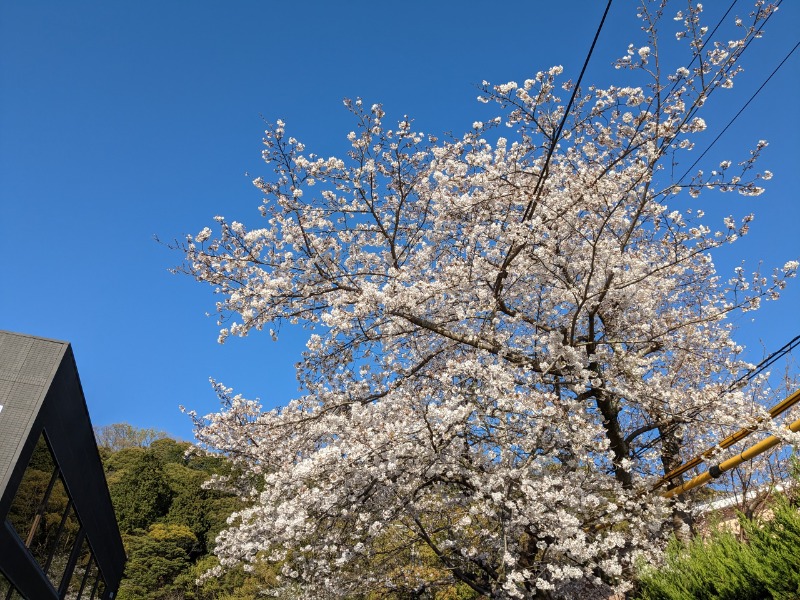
x: 512, y: 334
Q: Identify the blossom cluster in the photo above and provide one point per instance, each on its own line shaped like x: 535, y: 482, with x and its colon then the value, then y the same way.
x: 508, y: 337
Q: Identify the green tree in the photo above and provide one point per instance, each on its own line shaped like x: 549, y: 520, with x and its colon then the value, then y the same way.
x: 765, y: 564
x: 170, y: 520
x: 142, y: 495
x: 155, y: 559
x: 775, y: 548
x: 169, y: 450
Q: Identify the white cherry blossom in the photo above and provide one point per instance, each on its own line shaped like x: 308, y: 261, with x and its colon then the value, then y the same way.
x: 504, y: 351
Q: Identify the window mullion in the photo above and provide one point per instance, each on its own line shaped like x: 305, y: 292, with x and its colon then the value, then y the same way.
x: 42, y: 507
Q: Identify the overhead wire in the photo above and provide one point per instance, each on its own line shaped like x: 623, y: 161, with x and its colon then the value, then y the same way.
x: 729, y: 441
x: 769, y: 360
x: 755, y: 36
x: 741, y: 110
x: 747, y: 376
x: 537, y: 190
x: 539, y: 187
x: 717, y: 470
x: 750, y: 374
x: 705, y: 43
x: 790, y: 345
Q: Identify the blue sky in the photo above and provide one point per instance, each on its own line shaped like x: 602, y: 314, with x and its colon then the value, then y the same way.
x: 122, y: 121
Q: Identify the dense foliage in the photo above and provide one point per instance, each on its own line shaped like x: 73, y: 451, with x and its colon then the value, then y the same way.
x: 169, y: 552
x: 167, y: 519
x: 764, y: 562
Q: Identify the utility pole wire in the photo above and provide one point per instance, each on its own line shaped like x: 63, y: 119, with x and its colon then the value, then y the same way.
x: 694, y: 110
x: 539, y: 187
x: 705, y: 43
x: 741, y: 110
x: 717, y: 470
x: 769, y: 360
x: 729, y: 441
x: 788, y: 347
x: 537, y: 191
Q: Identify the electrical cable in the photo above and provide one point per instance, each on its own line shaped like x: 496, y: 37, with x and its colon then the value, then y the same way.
x: 789, y: 346
x: 744, y: 432
x: 749, y: 375
x: 539, y: 187
x: 736, y: 116
x: 769, y: 360
x: 729, y: 441
x: 705, y: 43
x: 537, y: 190
x: 693, y: 111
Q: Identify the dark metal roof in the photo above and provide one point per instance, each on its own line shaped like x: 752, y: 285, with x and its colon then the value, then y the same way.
x: 27, y: 367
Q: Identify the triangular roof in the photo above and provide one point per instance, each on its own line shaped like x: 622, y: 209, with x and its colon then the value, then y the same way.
x: 28, y: 365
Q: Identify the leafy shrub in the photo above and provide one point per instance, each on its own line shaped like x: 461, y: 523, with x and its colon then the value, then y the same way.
x: 766, y: 564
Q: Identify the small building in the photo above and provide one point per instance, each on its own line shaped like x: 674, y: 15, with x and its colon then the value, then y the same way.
x: 58, y: 534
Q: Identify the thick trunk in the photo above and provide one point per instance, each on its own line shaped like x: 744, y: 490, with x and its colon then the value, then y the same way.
x: 609, y: 408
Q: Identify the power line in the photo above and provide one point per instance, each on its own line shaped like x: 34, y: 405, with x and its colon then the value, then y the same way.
x: 741, y: 110
x: 717, y: 470
x: 764, y: 364
x: 750, y: 374
x: 754, y: 36
x: 697, y: 55
x: 539, y: 187
x: 705, y: 43
x: 769, y: 360
x: 729, y: 441
x: 742, y: 433
x: 537, y: 190
x: 693, y: 111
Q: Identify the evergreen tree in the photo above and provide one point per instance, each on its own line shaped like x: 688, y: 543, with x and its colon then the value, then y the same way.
x: 765, y: 564
x: 155, y: 559
x: 142, y: 495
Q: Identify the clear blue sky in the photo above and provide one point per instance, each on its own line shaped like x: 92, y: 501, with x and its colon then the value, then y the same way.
x: 124, y: 120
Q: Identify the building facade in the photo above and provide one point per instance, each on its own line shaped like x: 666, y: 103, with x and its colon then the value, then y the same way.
x: 59, y: 537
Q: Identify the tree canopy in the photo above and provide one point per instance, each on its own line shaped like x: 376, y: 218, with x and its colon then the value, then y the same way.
x: 168, y: 518
x: 509, y: 331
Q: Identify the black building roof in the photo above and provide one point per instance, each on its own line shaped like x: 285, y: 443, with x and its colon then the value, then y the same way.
x: 27, y: 367
x: 41, y: 395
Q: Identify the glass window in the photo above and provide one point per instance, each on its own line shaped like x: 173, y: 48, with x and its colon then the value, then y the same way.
x: 42, y: 513
x: 44, y: 517
x: 95, y: 588
x: 64, y: 541
x: 8, y: 591
x: 80, y: 586
x: 48, y: 524
x: 91, y: 580
x: 101, y: 587
x: 79, y: 572
x: 33, y: 492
